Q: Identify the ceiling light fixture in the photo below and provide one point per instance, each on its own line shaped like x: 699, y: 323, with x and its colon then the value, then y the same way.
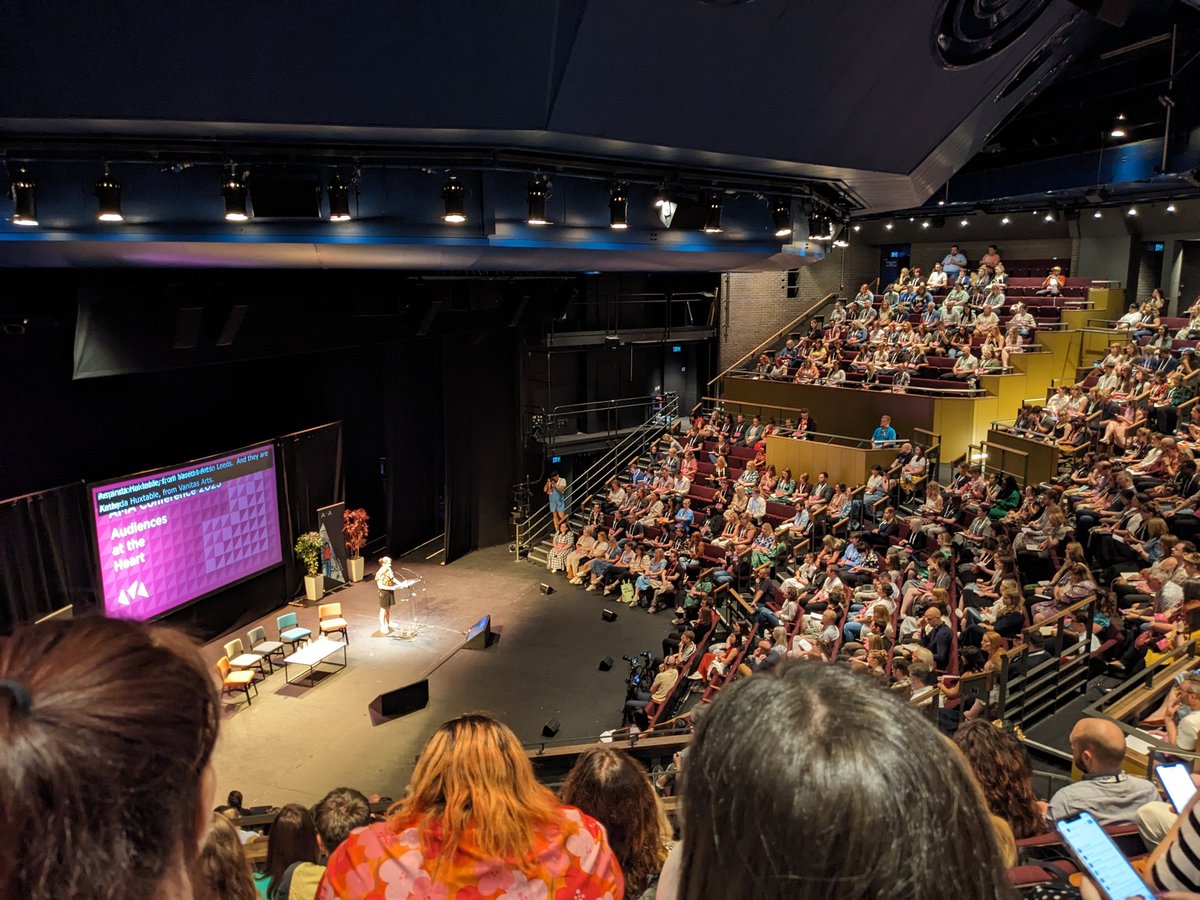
x: 618, y: 207
x: 781, y: 217
x: 1049, y: 217
x: 857, y: 229
x: 539, y: 190
x: 108, y: 193
x: 453, y: 202
x: 1132, y: 211
x: 1097, y: 215
x: 24, y: 194
x: 1005, y: 220
x: 712, y: 221
x: 925, y: 224
x: 888, y: 226
x: 1119, y: 130
x: 234, y: 192
x: 963, y: 223
x: 339, y: 199
x: 1170, y: 207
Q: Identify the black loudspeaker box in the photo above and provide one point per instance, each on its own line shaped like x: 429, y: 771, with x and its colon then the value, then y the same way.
x: 608, y: 615
x: 405, y: 700
x: 606, y: 664
x: 550, y: 729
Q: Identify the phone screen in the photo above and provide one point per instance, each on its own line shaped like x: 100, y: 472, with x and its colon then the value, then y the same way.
x: 1100, y: 857
x: 1177, y: 780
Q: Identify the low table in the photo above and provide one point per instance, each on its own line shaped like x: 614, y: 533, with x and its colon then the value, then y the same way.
x: 312, y: 655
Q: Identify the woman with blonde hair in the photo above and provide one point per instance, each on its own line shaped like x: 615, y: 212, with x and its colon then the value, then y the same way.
x: 475, y: 822
x: 611, y: 787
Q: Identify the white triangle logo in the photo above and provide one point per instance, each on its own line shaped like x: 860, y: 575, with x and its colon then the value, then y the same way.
x: 123, y: 598
x: 141, y: 590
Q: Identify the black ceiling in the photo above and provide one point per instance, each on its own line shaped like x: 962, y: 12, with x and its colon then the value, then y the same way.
x: 881, y: 101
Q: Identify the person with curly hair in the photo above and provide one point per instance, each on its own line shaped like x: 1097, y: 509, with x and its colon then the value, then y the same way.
x: 1001, y: 767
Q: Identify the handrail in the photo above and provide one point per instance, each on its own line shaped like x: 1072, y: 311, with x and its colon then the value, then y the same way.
x: 599, y: 473
x: 804, y: 315
x: 913, y: 390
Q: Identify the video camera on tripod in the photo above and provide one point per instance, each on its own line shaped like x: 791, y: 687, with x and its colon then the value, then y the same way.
x: 641, y: 673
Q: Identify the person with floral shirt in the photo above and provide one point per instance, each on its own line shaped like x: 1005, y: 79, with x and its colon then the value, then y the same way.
x: 476, y: 824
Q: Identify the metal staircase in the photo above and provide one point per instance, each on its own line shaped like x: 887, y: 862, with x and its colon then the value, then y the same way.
x: 533, y: 537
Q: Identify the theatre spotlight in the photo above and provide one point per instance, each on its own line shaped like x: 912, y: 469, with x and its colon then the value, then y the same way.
x: 339, y: 199
x: 539, y: 190
x: 24, y: 194
x: 108, y: 193
x: 662, y: 195
x: 454, y: 199
x: 1170, y: 207
x: 1119, y: 130
x: 234, y: 192
x: 1097, y: 215
x: 712, y: 221
x: 889, y: 226
x: 1005, y: 220
x: 1132, y: 211
x: 618, y: 207
x: 781, y: 216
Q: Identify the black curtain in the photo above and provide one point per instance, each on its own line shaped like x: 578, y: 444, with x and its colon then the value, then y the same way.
x: 45, y: 556
x: 482, y: 439
x: 312, y: 477
x: 411, y: 410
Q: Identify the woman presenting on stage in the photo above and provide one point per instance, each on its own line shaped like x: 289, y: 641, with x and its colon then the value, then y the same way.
x: 385, y: 580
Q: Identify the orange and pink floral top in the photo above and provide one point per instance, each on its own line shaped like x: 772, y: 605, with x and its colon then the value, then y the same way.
x: 570, y: 860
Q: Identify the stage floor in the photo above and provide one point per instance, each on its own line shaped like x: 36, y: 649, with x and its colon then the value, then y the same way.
x: 295, y: 743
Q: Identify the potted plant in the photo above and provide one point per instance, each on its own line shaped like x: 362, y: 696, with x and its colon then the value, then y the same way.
x: 354, y: 527
x: 308, y: 549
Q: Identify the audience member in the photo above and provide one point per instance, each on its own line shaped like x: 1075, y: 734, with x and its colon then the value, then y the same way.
x: 615, y: 790
x: 1106, y: 791
x: 474, y: 819
x: 292, y: 871
x: 775, y: 755
x: 221, y: 871
x: 106, y: 785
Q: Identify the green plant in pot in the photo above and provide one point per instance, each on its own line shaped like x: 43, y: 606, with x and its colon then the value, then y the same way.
x: 354, y: 527
x: 308, y: 551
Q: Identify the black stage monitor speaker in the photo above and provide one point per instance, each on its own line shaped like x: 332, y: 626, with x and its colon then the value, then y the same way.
x: 480, y: 634
x: 550, y: 729
x: 405, y: 700
x: 606, y: 664
x: 608, y: 615
x: 545, y: 588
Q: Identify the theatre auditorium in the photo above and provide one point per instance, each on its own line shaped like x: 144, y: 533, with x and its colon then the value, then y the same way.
x: 580, y: 450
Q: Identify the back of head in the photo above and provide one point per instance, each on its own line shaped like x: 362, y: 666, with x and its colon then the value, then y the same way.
x: 473, y: 773
x: 293, y: 839
x: 612, y: 788
x: 1001, y: 766
x: 829, y: 771
x: 340, y: 812
x: 105, y: 738
x: 221, y: 871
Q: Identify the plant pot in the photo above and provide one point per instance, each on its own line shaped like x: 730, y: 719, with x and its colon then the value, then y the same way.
x: 314, y: 587
x: 355, y: 565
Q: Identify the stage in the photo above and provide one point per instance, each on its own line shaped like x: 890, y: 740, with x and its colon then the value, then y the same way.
x: 294, y: 743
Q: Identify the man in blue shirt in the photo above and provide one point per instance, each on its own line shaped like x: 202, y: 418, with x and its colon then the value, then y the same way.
x: 953, y: 263
x: 885, y: 434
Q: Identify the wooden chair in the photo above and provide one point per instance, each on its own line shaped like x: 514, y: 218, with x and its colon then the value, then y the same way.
x: 329, y: 615
x: 241, y: 680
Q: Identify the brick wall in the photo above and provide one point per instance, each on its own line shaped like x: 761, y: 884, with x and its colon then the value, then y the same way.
x: 755, y: 304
